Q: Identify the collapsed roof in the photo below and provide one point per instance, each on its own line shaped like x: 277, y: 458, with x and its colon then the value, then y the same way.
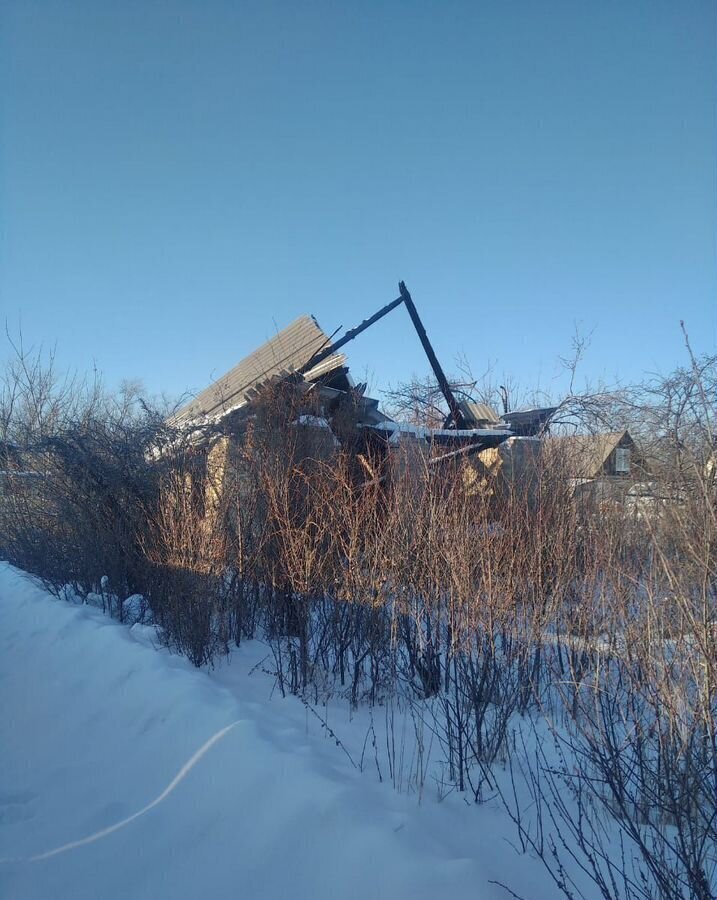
x: 304, y: 352
x: 287, y: 353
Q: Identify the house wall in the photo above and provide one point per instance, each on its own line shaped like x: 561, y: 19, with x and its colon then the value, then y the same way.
x: 513, y: 465
x: 610, y: 466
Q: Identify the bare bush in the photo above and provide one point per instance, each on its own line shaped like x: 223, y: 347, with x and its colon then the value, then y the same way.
x: 570, y: 642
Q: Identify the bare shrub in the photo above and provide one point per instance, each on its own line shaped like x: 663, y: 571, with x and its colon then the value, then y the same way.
x: 569, y: 641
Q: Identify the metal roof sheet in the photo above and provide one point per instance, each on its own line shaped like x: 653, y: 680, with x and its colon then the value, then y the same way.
x: 287, y: 352
x: 478, y: 412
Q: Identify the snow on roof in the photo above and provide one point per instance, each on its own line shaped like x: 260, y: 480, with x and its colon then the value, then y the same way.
x: 395, y: 429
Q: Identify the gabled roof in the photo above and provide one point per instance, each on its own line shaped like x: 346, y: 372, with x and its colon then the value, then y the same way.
x: 286, y: 353
x: 586, y: 454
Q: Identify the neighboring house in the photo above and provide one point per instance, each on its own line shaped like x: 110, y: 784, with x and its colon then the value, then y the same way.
x: 604, y: 466
x: 589, y: 456
x: 529, y: 422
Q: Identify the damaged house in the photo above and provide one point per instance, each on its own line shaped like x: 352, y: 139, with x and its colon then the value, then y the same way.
x: 310, y: 364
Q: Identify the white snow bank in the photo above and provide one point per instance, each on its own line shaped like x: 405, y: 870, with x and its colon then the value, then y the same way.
x: 134, y: 609
x: 125, y: 773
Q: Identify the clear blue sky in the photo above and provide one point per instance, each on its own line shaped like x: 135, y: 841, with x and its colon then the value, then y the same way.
x: 179, y: 179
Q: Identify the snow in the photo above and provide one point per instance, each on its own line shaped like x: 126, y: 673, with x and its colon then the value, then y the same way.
x: 126, y: 773
x: 396, y: 429
x: 134, y: 609
x: 313, y: 421
x: 309, y: 421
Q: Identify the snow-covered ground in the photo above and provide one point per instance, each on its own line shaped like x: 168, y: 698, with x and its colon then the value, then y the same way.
x: 126, y: 773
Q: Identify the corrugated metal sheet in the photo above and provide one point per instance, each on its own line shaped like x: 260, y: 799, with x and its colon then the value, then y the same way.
x: 287, y: 352
x: 478, y: 412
